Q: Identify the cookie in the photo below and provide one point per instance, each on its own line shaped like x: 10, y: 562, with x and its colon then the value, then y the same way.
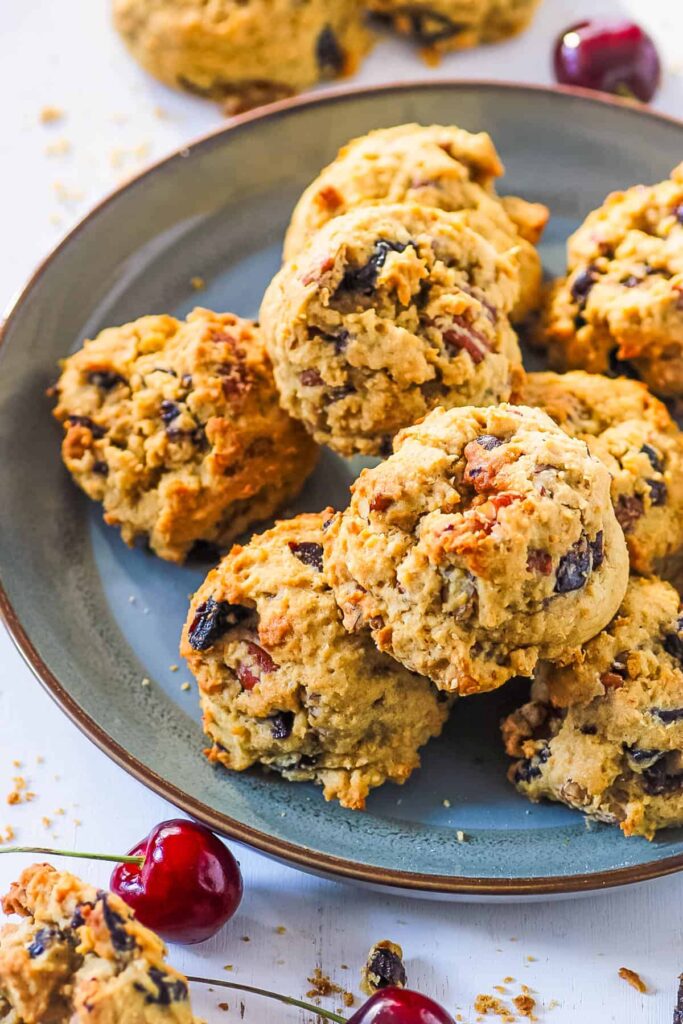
x: 632, y: 433
x: 444, y: 167
x: 389, y: 312
x: 620, y: 308
x: 283, y: 685
x: 606, y: 735
x: 485, y: 542
x: 442, y: 25
x: 175, y: 427
x: 244, y: 52
x: 78, y: 956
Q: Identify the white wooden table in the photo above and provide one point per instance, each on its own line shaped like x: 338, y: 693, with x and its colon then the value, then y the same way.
x: 64, y: 54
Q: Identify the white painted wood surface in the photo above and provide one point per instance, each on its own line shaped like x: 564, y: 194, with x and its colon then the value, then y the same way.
x: 63, y: 53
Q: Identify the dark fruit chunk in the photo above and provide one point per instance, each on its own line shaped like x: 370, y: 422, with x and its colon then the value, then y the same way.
x: 169, y: 411
x: 385, y: 968
x: 642, y: 758
x: 169, y: 990
x: 654, y: 457
x: 539, y: 561
x: 363, y: 279
x: 463, y: 337
x: 610, y: 56
x: 100, y: 467
x: 582, y: 284
x: 429, y: 27
x: 336, y: 394
x: 311, y: 378
x: 84, y: 421
x: 308, y: 553
x: 121, y: 938
x: 530, y: 767
x: 597, y: 547
x: 667, y: 715
x: 211, y: 620
x: 400, y: 1006
x: 628, y: 510
x: 488, y: 441
x: 658, y: 492
x: 574, y: 568
x: 281, y: 724
x: 631, y: 282
x: 328, y: 52
x: 673, y: 642
x: 589, y: 730
x: 42, y: 940
x: 657, y: 780
x: 187, y: 887
x: 105, y: 379
x: 249, y: 673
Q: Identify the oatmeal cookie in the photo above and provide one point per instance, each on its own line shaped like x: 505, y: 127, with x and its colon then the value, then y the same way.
x: 442, y: 25
x: 632, y: 433
x: 78, y: 956
x: 606, y: 735
x: 440, y: 166
x: 391, y: 311
x: 485, y: 542
x: 621, y: 306
x: 283, y: 685
x: 176, y: 428
x: 244, y: 52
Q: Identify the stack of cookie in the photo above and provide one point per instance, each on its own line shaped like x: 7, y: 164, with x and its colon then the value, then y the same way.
x: 518, y: 525
x: 249, y: 52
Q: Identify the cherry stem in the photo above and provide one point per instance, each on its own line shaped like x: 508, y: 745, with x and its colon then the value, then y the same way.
x: 289, y: 1000
x: 113, y: 858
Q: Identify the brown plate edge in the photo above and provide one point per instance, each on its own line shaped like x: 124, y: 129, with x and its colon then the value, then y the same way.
x: 314, y: 862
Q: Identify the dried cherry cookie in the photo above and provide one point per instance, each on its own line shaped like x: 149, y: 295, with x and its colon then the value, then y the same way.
x: 244, y: 52
x: 442, y: 25
x: 176, y: 428
x: 391, y: 311
x: 621, y: 305
x: 606, y: 735
x: 283, y: 685
x: 632, y: 433
x: 440, y: 166
x: 80, y: 957
x: 485, y: 542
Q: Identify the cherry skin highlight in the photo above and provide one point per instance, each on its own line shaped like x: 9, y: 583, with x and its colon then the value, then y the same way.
x: 188, y: 885
x: 610, y: 56
x: 400, y: 1006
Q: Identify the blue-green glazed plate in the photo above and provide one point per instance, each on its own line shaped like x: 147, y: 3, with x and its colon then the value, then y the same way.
x: 93, y: 617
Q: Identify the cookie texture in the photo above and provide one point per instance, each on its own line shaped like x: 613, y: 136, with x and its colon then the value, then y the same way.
x: 606, y: 735
x: 632, y: 433
x: 620, y: 308
x: 175, y: 427
x: 389, y: 312
x: 78, y: 956
x: 440, y: 166
x: 485, y: 542
x: 244, y: 52
x: 283, y: 685
x: 442, y: 25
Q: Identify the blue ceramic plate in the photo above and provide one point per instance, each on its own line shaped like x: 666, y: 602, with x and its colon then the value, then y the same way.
x: 93, y: 617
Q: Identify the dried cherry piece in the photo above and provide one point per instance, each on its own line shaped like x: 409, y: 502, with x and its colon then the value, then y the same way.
x: 673, y: 642
x: 628, y: 510
x: 658, y: 492
x: 386, y: 968
x: 212, y: 619
x: 309, y: 553
x: 168, y: 411
x: 667, y: 715
x: 105, y: 379
x: 488, y: 441
x: 654, y: 457
x: 530, y: 767
x: 574, y: 568
x: 281, y: 724
x: 329, y: 53
x: 582, y: 284
x: 364, y: 279
x: 84, y: 421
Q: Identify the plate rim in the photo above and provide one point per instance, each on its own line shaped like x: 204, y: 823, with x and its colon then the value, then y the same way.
x: 341, y: 869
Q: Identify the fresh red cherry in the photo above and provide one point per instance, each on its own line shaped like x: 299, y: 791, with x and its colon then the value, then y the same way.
x: 400, y: 1006
x: 187, y: 886
x: 611, y: 56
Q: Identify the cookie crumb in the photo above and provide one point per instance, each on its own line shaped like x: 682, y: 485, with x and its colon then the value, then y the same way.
x: 487, y: 1004
x: 60, y: 147
x: 446, y: 803
x: 20, y: 794
x: 227, y: 967
x: 145, y: 681
x: 383, y: 968
x: 525, y: 1005
x: 321, y: 985
x: 281, y: 930
x: 185, y: 686
x: 198, y: 283
x: 460, y: 836
x: 50, y: 114
x: 224, y: 1006
x: 8, y: 835
x: 633, y: 978
x: 173, y: 668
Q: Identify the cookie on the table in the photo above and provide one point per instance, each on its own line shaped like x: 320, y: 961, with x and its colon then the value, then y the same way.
x: 442, y: 25
x: 282, y: 684
x: 78, y: 956
x: 632, y: 432
x: 485, y: 542
x: 175, y: 426
x: 440, y: 166
x: 244, y: 52
x: 620, y: 308
x: 606, y: 735
x: 389, y: 312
